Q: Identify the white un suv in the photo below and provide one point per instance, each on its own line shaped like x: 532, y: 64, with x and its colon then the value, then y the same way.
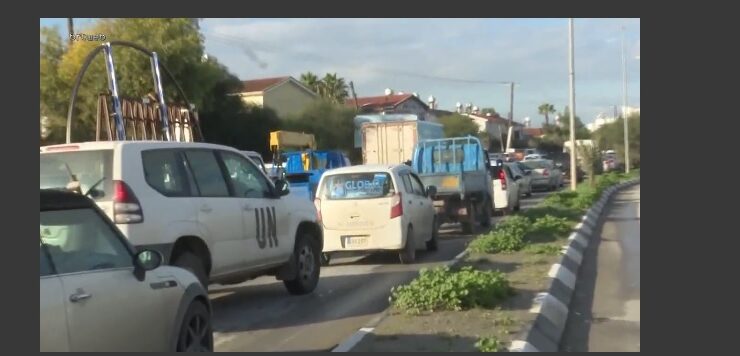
x: 208, y: 208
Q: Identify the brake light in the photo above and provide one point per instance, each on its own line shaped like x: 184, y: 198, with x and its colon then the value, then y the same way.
x: 396, y: 206
x: 546, y: 173
x: 502, y: 178
x: 317, y: 204
x: 126, y: 207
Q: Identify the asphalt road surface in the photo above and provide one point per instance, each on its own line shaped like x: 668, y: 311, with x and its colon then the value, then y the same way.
x: 605, y: 310
x: 260, y: 315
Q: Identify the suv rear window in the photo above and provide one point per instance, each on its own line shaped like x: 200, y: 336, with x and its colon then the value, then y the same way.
x: 89, y: 167
x: 358, y: 186
x: 165, y: 172
x: 537, y: 164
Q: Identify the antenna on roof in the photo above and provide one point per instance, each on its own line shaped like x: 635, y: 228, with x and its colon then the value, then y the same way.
x: 388, y: 91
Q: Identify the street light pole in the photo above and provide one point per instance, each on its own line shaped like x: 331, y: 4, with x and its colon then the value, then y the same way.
x: 624, y: 109
x: 571, y: 65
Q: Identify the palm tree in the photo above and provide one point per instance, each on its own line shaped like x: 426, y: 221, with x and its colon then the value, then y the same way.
x: 335, y: 88
x: 312, y: 81
x: 546, y: 109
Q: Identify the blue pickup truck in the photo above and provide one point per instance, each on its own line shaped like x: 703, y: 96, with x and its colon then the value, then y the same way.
x: 459, y: 168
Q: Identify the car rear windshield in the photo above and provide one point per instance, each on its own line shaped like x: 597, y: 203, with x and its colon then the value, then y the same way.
x: 357, y: 186
x: 88, y: 167
x: 537, y: 164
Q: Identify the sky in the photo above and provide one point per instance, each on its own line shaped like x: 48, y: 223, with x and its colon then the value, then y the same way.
x: 455, y: 60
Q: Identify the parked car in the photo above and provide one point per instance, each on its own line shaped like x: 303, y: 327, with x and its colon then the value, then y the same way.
x: 376, y: 208
x: 533, y: 156
x: 506, y: 191
x: 545, y: 174
x: 98, y: 294
x: 206, y: 208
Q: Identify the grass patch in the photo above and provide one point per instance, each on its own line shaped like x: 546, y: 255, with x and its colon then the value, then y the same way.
x: 489, y: 344
x: 444, y: 289
x: 543, y: 249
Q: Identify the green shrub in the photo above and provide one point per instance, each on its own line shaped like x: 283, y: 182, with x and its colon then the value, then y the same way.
x: 498, y: 241
x: 443, y: 289
x: 551, y: 225
x: 489, y: 344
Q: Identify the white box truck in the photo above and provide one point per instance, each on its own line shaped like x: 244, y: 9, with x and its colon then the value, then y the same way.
x: 392, y: 142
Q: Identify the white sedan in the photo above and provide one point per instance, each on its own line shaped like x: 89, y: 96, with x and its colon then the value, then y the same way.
x: 506, y: 189
x: 98, y: 294
x: 373, y: 208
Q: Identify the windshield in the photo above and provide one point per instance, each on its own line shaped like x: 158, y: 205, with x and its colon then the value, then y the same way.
x: 357, y: 186
x: 89, y: 167
x: 537, y: 164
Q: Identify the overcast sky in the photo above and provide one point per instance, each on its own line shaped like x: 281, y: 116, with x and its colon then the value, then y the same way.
x: 452, y: 59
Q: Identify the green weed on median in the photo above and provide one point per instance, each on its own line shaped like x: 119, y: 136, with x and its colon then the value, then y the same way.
x: 444, y: 289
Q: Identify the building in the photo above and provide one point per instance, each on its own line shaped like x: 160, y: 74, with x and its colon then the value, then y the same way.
x: 393, y: 104
x: 534, y: 132
x: 285, y: 95
x: 600, y: 121
x: 497, y: 126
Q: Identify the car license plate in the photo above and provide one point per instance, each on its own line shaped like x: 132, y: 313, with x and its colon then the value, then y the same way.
x: 355, y: 241
x: 449, y: 182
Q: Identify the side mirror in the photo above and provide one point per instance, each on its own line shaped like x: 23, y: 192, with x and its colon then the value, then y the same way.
x: 527, y: 173
x: 282, y: 187
x: 146, y: 260
x: 431, y: 191
x: 517, y: 177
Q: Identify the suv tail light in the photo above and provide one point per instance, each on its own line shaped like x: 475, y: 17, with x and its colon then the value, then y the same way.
x: 502, y: 178
x: 546, y: 173
x: 126, y: 207
x: 396, y: 206
x: 317, y: 204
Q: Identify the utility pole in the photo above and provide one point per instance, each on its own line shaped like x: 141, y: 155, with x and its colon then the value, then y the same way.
x: 624, y: 110
x: 511, y: 115
x: 571, y: 67
x: 70, y: 29
x: 354, y: 95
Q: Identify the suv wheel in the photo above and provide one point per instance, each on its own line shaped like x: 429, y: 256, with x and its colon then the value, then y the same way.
x: 192, y: 263
x: 196, y: 333
x: 306, y: 257
x: 433, y: 243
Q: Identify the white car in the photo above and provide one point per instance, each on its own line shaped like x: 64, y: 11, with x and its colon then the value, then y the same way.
x: 98, y: 294
x: 376, y: 208
x: 506, y: 191
x: 205, y: 207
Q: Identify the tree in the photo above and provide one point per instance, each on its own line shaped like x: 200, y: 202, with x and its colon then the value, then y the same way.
x: 546, y: 109
x: 179, y: 44
x: 457, y: 125
x: 332, y: 125
x: 335, y: 88
x: 312, y: 81
x: 491, y: 111
x: 611, y: 136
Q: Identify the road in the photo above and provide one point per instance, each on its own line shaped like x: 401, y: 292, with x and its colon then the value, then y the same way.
x: 259, y: 315
x: 605, y: 310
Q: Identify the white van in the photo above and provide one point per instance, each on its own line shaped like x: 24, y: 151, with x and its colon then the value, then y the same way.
x: 376, y: 208
x: 206, y: 208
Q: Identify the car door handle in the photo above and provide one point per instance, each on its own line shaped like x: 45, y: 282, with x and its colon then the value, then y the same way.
x: 79, y: 296
x: 206, y: 209
x: 246, y: 207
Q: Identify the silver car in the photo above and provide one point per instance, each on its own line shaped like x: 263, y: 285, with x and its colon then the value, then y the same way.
x: 544, y: 174
x: 98, y: 294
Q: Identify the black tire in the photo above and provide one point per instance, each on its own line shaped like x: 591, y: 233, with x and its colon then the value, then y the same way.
x: 518, y: 206
x: 325, y: 259
x: 487, y: 213
x: 433, y: 243
x: 194, y: 264
x: 196, y: 331
x: 307, y: 257
x: 408, y: 253
x: 469, y: 226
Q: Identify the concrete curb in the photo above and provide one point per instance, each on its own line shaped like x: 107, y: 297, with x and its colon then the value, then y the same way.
x: 552, y: 305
